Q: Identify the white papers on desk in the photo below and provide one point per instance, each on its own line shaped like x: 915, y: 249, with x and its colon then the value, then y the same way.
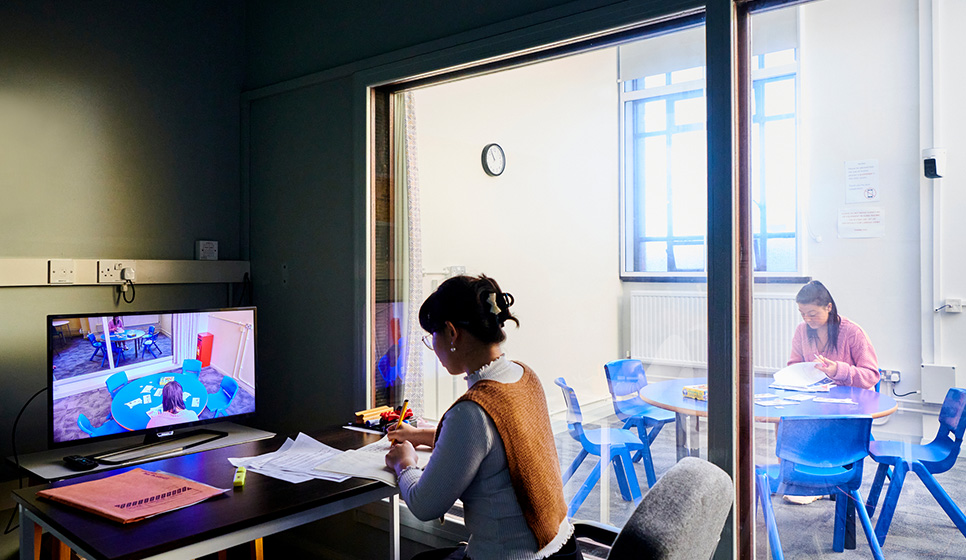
x: 369, y: 462
x: 802, y: 376
x: 294, y: 461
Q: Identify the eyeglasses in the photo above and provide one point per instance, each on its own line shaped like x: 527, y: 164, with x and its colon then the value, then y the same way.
x: 428, y: 341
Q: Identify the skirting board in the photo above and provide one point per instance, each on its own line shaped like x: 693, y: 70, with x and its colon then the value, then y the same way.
x: 33, y: 272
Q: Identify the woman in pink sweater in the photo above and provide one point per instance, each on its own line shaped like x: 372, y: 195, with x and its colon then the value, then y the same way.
x: 839, y: 347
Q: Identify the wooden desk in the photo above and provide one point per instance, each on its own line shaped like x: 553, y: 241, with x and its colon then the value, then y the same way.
x: 264, y: 506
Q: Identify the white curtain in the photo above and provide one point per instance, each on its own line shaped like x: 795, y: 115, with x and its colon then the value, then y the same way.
x: 409, y: 250
x: 184, y: 338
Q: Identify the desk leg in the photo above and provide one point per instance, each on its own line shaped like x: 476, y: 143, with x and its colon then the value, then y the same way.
x: 30, y: 534
x: 394, y: 527
x: 686, y: 435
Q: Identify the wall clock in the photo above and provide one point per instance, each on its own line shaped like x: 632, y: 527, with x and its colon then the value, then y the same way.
x: 494, y: 160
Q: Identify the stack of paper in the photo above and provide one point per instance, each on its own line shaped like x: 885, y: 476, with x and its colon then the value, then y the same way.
x: 369, y: 462
x: 294, y: 461
x: 803, y: 376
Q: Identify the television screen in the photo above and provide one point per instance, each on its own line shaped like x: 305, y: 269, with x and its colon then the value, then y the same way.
x: 126, y: 373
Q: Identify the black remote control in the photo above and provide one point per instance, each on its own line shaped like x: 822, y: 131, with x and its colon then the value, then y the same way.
x: 79, y: 462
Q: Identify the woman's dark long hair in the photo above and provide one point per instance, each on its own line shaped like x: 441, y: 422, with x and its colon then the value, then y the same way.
x: 815, y: 293
x: 476, y: 304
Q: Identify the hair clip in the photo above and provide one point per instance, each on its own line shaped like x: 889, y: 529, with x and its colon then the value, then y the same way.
x: 494, y: 308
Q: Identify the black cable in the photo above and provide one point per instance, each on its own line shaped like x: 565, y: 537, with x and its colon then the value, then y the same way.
x: 902, y: 395
x: 133, y: 295
x: 16, y: 457
x: 246, y: 282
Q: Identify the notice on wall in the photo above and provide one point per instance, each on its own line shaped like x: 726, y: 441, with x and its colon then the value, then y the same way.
x: 864, y: 223
x: 862, y: 181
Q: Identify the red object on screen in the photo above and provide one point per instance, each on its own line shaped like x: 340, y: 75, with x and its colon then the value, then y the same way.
x: 204, y: 348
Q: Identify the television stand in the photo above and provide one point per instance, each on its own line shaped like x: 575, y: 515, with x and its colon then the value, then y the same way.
x: 156, y: 445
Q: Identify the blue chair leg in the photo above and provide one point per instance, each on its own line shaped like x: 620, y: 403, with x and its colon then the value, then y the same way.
x: 768, y: 512
x: 841, y: 514
x: 856, y: 501
x: 952, y: 510
x: 889, y: 504
x: 585, y: 489
x: 880, y: 475
x: 573, y: 466
x: 626, y: 477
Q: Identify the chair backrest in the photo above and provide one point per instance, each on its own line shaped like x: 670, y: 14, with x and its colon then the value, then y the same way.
x: 824, y: 442
x: 191, y: 365
x: 625, y: 377
x: 574, y: 417
x: 151, y: 330
x: 680, y: 517
x: 116, y: 381
x: 230, y: 386
x: 93, y: 339
x: 952, y: 425
x: 85, y: 424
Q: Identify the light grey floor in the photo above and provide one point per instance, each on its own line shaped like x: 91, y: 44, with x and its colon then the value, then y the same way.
x: 920, y: 528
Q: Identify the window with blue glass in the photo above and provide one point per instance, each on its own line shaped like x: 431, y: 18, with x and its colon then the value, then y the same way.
x: 665, y: 169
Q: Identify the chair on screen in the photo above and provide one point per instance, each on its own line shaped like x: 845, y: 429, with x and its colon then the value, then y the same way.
x: 150, y: 344
x: 115, y: 382
x: 191, y: 365
x: 680, y: 517
x: 937, y: 456
x: 810, y: 466
x: 219, y: 402
x: 98, y: 347
x: 617, y: 444
x: 107, y: 428
x: 625, y: 378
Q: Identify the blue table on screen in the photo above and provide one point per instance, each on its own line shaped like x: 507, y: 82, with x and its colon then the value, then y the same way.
x: 136, y: 417
x: 125, y: 336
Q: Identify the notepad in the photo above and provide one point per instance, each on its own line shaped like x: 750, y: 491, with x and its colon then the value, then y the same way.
x: 369, y: 462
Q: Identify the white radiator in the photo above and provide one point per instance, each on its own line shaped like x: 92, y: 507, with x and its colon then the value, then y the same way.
x: 671, y: 328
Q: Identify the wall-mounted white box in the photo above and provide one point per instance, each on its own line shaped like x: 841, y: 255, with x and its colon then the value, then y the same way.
x: 936, y: 382
x: 206, y: 250
x: 60, y: 271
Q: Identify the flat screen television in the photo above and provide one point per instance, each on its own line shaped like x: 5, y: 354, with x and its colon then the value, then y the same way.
x: 148, y: 372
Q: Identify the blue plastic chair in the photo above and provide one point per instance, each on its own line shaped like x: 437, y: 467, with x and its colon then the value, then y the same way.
x: 819, y: 457
x: 150, y: 344
x: 218, y: 402
x: 620, y: 444
x: 116, y: 381
x: 98, y: 347
x: 191, y: 365
x: 937, y: 456
x: 151, y: 330
x: 107, y: 428
x: 625, y: 378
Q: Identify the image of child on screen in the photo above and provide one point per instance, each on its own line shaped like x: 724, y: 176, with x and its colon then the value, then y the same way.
x: 173, y: 410
x: 115, y: 324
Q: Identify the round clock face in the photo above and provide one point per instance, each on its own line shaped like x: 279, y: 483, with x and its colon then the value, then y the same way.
x: 494, y: 160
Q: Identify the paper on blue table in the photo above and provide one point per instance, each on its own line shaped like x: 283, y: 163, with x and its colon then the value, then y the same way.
x: 800, y: 375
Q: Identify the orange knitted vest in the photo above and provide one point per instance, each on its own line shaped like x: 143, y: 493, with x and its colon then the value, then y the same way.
x: 519, y: 411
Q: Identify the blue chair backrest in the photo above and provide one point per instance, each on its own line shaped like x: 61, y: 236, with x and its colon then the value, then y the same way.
x: 151, y: 329
x: 85, y: 424
x: 574, y: 417
x: 116, y: 381
x: 825, y: 442
x: 229, y: 385
x: 191, y: 365
x: 625, y: 377
x: 952, y: 425
x: 93, y: 339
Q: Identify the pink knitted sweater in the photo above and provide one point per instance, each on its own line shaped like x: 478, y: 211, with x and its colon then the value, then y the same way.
x: 857, y: 363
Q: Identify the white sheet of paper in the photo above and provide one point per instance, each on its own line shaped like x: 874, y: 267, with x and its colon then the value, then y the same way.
x: 293, y: 462
x: 147, y: 389
x: 369, y: 462
x: 800, y: 375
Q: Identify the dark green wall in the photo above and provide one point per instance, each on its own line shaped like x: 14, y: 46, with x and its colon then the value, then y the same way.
x: 119, y: 138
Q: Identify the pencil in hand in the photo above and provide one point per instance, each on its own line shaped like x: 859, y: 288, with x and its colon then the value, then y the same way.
x: 402, y: 413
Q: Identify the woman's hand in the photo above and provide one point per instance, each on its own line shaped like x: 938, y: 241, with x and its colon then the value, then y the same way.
x: 402, y: 433
x: 826, y: 366
x: 400, y: 456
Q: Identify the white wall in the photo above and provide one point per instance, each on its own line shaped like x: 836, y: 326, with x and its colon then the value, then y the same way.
x: 547, y: 228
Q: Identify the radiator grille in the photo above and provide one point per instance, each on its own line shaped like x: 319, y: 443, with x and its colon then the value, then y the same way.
x: 671, y: 328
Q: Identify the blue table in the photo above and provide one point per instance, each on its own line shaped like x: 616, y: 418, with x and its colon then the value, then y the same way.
x: 125, y: 336
x: 668, y: 395
x: 136, y: 417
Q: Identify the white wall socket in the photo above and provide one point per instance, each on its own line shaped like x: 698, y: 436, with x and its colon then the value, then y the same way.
x: 60, y: 271
x: 109, y: 272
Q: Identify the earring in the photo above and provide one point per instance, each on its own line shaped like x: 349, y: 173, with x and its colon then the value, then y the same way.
x: 452, y: 349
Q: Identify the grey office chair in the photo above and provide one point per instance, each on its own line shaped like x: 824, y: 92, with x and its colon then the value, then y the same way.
x: 680, y: 517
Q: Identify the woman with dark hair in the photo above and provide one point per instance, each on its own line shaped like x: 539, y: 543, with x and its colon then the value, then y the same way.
x: 173, y: 410
x: 839, y: 347
x: 493, y: 449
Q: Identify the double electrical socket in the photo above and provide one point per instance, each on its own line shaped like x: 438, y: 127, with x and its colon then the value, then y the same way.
x: 114, y: 272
